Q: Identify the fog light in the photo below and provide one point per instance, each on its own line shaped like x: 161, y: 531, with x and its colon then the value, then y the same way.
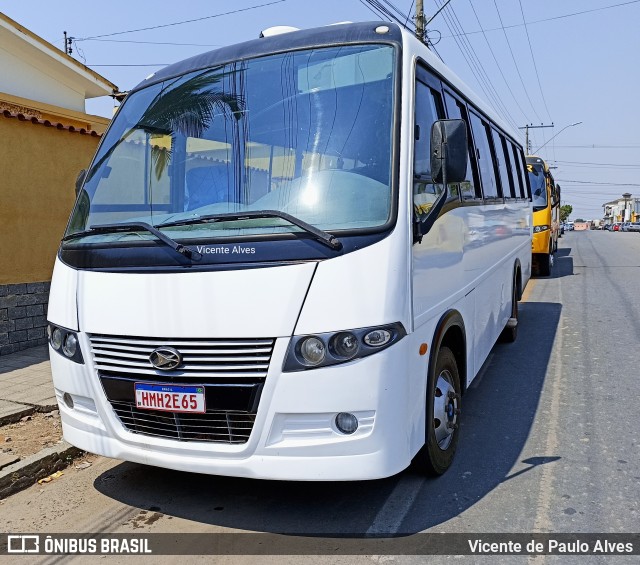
x: 313, y: 350
x: 70, y: 345
x: 56, y: 338
x: 346, y: 423
x: 68, y: 400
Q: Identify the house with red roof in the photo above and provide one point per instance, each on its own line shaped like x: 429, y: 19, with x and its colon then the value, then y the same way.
x: 46, y: 137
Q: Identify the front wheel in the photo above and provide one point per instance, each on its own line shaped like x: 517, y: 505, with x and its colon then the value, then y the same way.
x: 443, y: 416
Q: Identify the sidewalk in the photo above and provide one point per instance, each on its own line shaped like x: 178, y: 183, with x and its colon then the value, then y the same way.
x: 26, y: 388
x: 25, y: 384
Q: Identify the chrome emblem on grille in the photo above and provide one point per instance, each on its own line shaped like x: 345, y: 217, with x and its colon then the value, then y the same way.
x: 165, y: 358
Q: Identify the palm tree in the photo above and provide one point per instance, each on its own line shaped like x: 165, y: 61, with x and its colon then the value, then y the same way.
x: 186, y: 108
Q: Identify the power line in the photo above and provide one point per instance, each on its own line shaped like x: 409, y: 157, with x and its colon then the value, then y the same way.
x: 380, y: 10
x: 152, y: 42
x: 635, y: 166
x: 452, y: 21
x: 184, y: 21
x: 526, y: 29
x: 600, y: 146
x: 515, y: 62
x: 409, y: 13
x: 555, y: 17
x: 397, y: 10
x: 506, y: 82
x: 593, y: 183
x: 370, y: 8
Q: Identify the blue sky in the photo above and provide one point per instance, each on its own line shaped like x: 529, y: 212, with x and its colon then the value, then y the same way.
x: 584, y: 67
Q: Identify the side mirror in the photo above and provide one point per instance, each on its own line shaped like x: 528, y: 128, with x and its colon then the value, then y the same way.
x: 80, y: 180
x: 449, y: 154
x: 449, y: 151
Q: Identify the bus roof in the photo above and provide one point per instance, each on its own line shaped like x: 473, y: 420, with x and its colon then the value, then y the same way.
x: 535, y: 160
x: 342, y: 33
x: 282, y: 43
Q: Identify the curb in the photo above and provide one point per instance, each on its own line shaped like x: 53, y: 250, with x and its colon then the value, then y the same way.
x: 25, y: 473
x: 16, y: 416
x: 25, y: 410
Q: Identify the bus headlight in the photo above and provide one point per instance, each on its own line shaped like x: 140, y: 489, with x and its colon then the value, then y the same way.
x: 344, y: 344
x: 70, y: 345
x: 56, y: 338
x: 65, y: 342
x: 312, y: 350
x: 538, y: 229
x: 321, y: 350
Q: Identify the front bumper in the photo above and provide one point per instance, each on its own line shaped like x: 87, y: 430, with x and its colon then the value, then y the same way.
x: 294, y: 435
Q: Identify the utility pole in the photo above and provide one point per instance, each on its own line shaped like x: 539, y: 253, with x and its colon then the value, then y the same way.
x: 526, y: 128
x: 421, y: 24
x: 420, y: 20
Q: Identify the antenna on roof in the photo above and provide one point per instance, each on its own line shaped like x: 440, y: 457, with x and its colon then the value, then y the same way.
x: 68, y: 43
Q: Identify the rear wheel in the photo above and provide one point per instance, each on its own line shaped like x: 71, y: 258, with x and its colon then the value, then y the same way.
x: 510, y: 332
x: 443, y: 416
x: 545, y: 262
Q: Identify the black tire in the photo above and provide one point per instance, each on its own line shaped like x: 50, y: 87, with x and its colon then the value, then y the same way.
x: 441, y: 434
x: 509, y: 335
x: 544, y: 264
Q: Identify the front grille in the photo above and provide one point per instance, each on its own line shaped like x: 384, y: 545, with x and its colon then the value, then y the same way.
x: 213, y: 426
x: 232, y: 372
x: 201, y: 357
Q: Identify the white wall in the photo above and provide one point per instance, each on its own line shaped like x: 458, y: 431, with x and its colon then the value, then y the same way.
x: 22, y: 76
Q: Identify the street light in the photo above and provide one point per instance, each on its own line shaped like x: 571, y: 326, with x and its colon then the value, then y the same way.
x: 556, y: 135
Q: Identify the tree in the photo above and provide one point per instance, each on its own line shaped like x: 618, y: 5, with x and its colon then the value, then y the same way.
x: 565, y: 212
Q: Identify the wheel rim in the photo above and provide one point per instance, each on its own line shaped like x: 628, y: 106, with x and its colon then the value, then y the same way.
x: 445, y: 410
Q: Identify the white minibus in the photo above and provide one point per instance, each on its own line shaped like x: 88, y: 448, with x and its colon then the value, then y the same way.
x: 289, y: 259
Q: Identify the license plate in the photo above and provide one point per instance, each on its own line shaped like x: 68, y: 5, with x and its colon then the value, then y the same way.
x: 170, y: 398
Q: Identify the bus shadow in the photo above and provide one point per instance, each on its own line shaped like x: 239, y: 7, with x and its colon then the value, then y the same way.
x: 499, y: 410
x: 563, y: 263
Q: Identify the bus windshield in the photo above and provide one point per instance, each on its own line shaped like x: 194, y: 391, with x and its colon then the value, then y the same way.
x: 307, y: 133
x: 538, y: 186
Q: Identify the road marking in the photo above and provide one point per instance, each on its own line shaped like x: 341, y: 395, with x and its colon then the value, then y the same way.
x: 398, y: 504
x: 542, y: 522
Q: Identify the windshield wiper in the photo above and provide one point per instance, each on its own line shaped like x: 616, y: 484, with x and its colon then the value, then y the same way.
x: 322, y: 236
x: 111, y: 228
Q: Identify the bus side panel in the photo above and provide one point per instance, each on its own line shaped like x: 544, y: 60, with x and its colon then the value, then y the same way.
x: 62, y: 309
x: 472, y: 248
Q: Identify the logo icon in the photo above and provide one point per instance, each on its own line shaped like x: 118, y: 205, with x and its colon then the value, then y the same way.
x: 23, y: 544
x: 165, y: 358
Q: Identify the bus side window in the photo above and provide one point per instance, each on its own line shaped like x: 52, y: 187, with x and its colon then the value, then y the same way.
x: 485, y: 158
x: 523, y: 164
x: 428, y: 110
x: 503, y: 168
x: 516, y: 173
x: 455, y: 110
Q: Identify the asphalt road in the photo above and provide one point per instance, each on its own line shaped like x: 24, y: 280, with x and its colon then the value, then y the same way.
x: 550, y: 443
